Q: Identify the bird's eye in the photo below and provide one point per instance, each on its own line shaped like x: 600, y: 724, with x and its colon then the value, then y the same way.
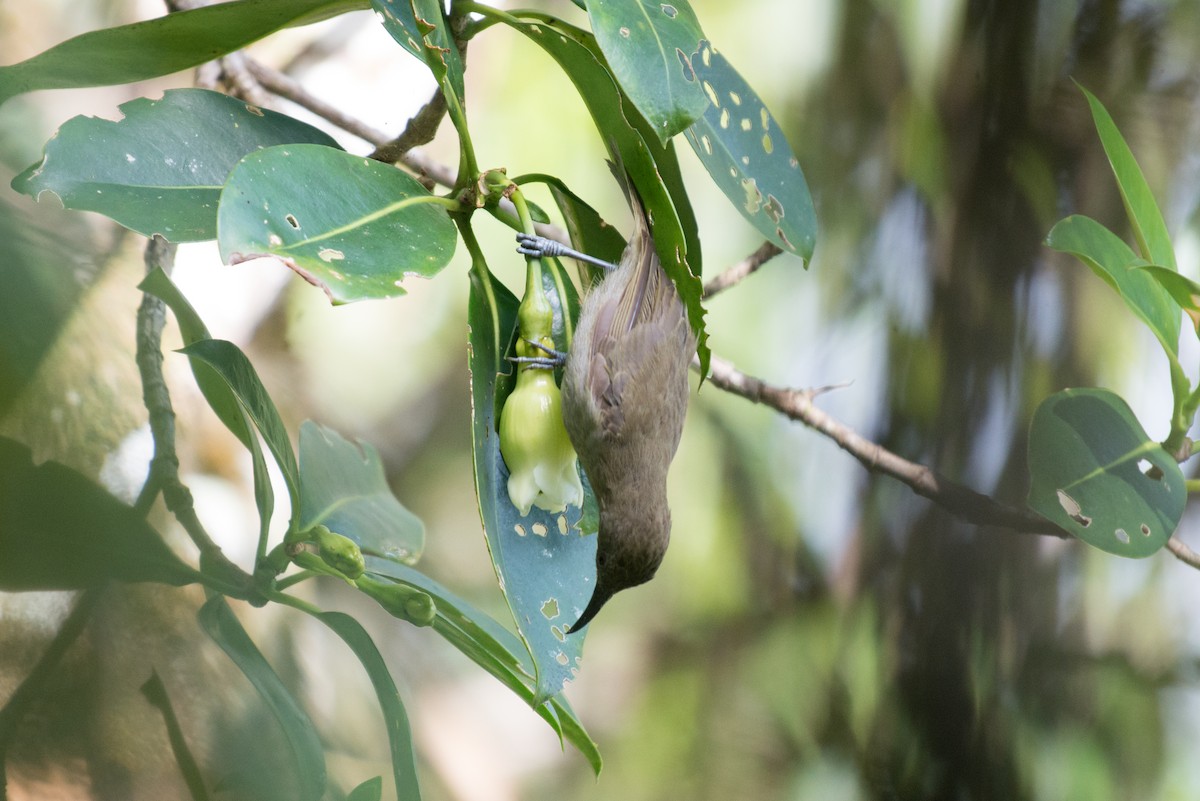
x: 601, y: 559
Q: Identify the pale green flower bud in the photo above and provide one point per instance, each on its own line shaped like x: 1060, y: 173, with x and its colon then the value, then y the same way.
x: 534, y: 443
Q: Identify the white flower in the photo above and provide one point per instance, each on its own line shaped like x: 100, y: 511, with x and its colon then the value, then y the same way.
x: 534, y: 443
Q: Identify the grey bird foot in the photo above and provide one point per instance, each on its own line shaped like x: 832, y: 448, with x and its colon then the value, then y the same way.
x: 552, y: 359
x: 539, y: 247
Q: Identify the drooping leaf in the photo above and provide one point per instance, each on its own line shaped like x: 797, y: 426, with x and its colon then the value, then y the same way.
x: 343, y: 487
x: 156, y: 693
x: 1148, y: 226
x: 745, y: 152
x: 161, y: 46
x: 350, y: 225
x: 160, y: 168
x: 61, y: 531
x: 308, y: 756
x: 651, y: 47
x: 404, y: 765
x: 228, y: 361
x: 221, y: 399
x: 1111, y: 259
x: 494, y: 648
x: 652, y: 168
x: 420, y: 28
x: 1183, y: 290
x: 545, y: 566
x: 1095, y: 473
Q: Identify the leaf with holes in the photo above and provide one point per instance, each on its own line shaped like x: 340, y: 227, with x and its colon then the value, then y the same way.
x: 160, y: 168
x: 652, y: 168
x: 1096, y: 473
x: 745, y: 152
x: 545, y: 566
x: 651, y: 46
x: 350, y: 225
x: 342, y: 487
x: 1112, y: 260
x: 163, y: 45
x: 420, y: 28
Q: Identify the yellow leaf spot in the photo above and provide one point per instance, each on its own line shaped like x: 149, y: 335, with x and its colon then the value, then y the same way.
x: 329, y: 254
x: 754, y: 197
x: 561, y: 658
x: 255, y: 110
x: 766, y: 118
x: 624, y: 32
x: 724, y: 118
x: 562, y: 525
x: 736, y: 98
x: 706, y: 143
x: 520, y: 530
x: 746, y: 124
x: 768, y: 145
x: 712, y: 93
x: 539, y: 529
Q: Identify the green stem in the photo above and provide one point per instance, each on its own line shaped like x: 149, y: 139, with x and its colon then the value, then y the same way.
x: 294, y: 602
x: 1192, y: 485
x: 294, y: 579
x: 490, y: 13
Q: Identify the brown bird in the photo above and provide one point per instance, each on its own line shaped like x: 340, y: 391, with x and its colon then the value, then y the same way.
x: 624, y: 398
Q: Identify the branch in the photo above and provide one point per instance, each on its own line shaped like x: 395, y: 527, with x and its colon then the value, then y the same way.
x: 742, y: 270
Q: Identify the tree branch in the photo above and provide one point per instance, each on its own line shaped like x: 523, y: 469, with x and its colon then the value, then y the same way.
x: 742, y: 270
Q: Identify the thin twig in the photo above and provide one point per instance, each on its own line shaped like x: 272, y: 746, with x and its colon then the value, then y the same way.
x: 164, y: 466
x: 288, y: 87
x: 743, y: 269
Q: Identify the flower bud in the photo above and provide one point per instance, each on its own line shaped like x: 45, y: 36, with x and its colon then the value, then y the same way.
x: 400, y: 600
x: 534, y: 444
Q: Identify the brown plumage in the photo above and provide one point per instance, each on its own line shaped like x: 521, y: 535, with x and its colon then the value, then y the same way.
x: 624, y: 394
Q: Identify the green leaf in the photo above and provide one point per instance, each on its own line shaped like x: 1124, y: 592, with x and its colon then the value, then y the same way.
x: 1095, y: 473
x: 1183, y: 290
x: 544, y: 565
x: 159, y: 169
x: 350, y: 225
x: 308, y: 756
x: 220, y: 397
x: 343, y: 487
x: 163, y: 45
x: 745, y: 152
x: 156, y: 693
x: 236, y: 371
x: 494, y: 648
x: 1148, y: 226
x: 420, y: 28
x: 404, y: 765
x: 652, y: 168
x: 651, y: 47
x: 1111, y: 259
x: 370, y: 790
x: 61, y: 531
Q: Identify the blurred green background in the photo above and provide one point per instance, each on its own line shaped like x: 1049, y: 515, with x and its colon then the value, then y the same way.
x: 816, y: 631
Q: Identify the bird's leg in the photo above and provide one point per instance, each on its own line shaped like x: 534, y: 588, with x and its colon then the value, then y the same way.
x: 537, y: 247
x: 552, y: 359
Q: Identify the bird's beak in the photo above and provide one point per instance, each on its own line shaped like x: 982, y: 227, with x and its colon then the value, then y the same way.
x: 600, y: 597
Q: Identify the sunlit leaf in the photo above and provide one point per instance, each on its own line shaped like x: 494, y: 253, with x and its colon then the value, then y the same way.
x: 494, y: 648
x: 420, y: 28
x: 163, y: 45
x: 1096, y: 473
x: 545, y: 566
x: 350, y: 225
x: 160, y: 168
x: 1111, y: 259
x: 1148, y: 226
x: 61, y: 531
x: 1183, y: 290
x: 308, y: 755
x: 745, y: 152
x: 404, y: 765
x: 343, y: 487
x: 236, y: 371
x: 651, y: 47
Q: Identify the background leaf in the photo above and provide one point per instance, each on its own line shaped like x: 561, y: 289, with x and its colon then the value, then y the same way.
x: 308, y: 755
x: 650, y: 46
x: 1096, y: 473
x: 61, y: 531
x: 159, y: 169
x: 1183, y: 290
x: 163, y: 45
x: 156, y: 693
x: 1111, y: 259
x: 370, y: 790
x: 544, y: 565
x: 745, y: 152
x: 343, y: 487
x: 1148, y: 226
x: 420, y: 28
x: 350, y: 225
x: 404, y: 765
